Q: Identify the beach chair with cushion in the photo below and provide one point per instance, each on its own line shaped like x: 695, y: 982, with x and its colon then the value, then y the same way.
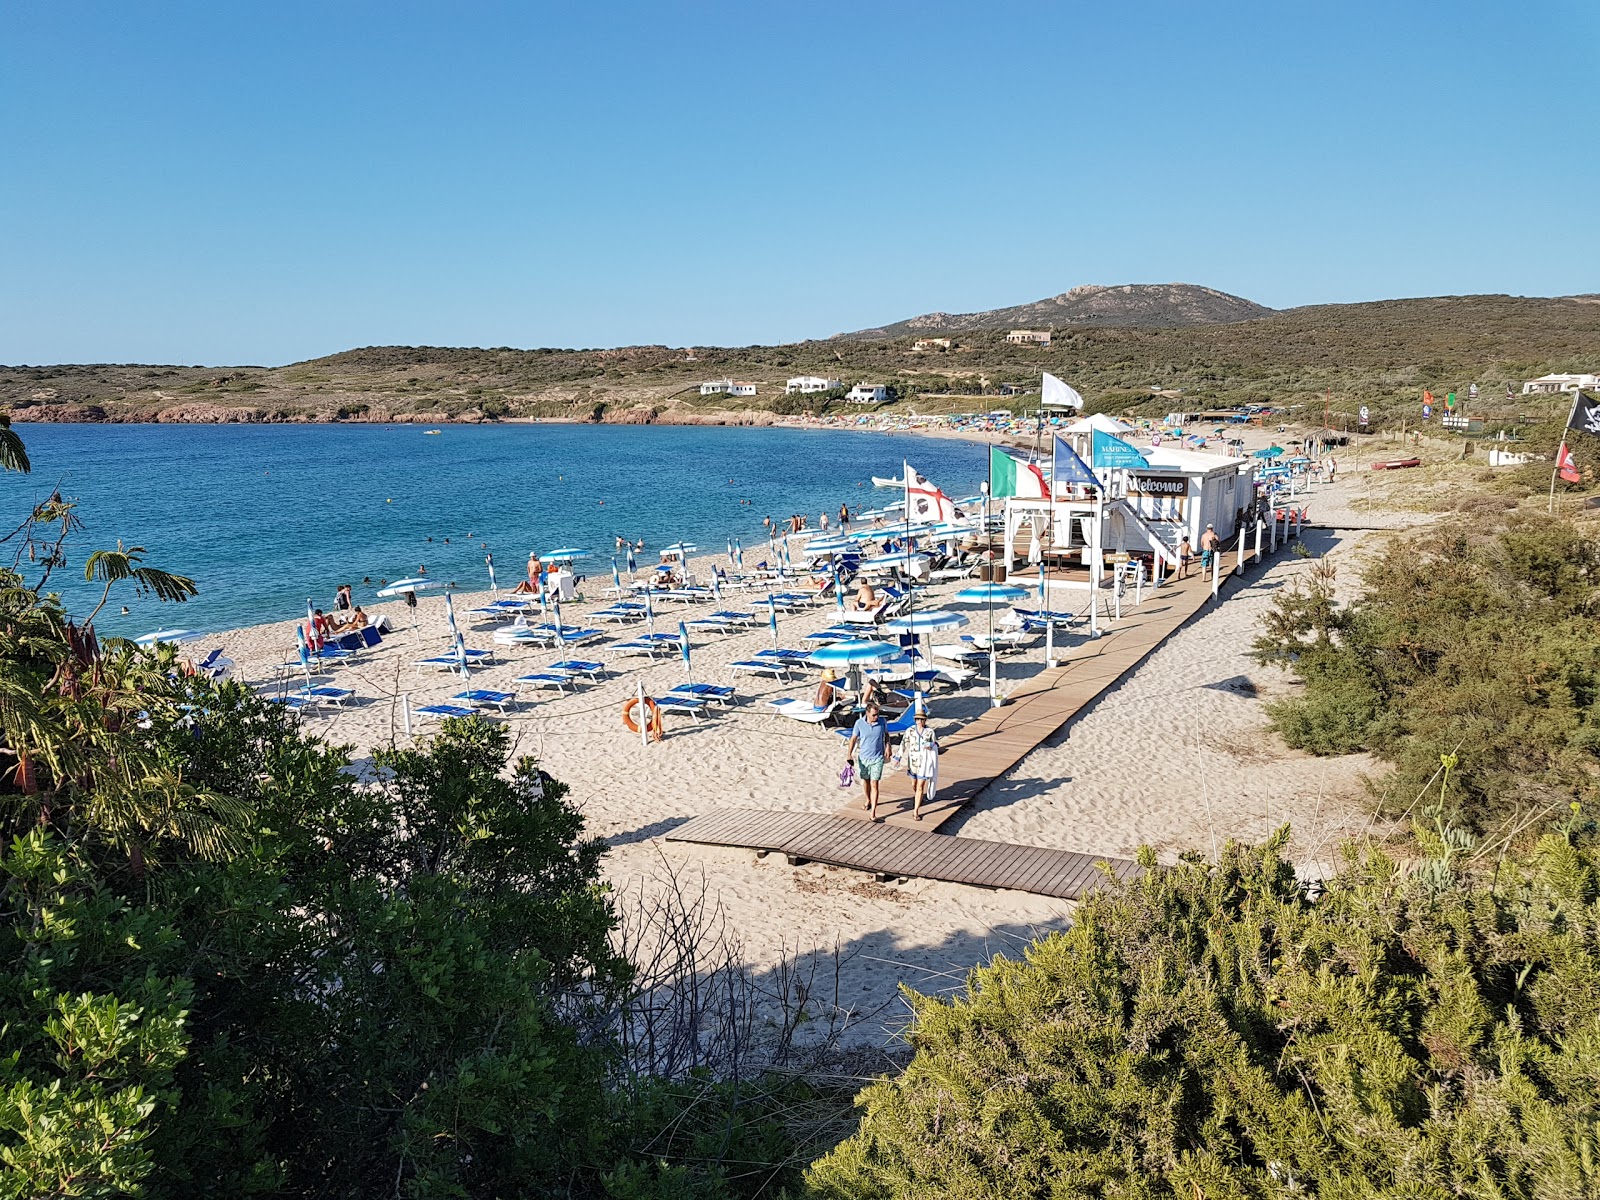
x: 481, y: 697
x: 641, y: 646
x: 803, y: 710
x: 834, y: 633
x: 762, y: 666
x: 621, y: 614
x: 560, y: 680
x: 296, y: 704
x: 573, y: 635
x: 899, y: 725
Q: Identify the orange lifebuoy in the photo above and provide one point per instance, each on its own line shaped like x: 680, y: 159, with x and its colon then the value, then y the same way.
x: 652, y: 712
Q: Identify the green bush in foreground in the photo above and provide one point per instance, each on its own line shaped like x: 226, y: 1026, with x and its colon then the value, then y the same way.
x: 1482, y: 644
x: 1213, y: 1032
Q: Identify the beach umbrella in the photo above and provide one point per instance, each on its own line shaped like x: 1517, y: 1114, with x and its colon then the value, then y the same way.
x: 683, y: 649
x: 566, y: 554
x: 730, y: 552
x: 925, y: 622
x: 633, y: 563
x: 989, y: 595
x: 172, y: 636
x: 738, y: 554
x: 716, y: 585
x: 852, y: 653
x: 649, y: 612
x: 772, y: 618
x: 401, y: 586
x: 678, y: 550
x: 457, y: 644
x: 616, y: 576
x: 488, y: 561
x: 787, y: 561
x: 304, y: 652
x: 838, y: 592
x: 555, y: 603
x: 1270, y: 452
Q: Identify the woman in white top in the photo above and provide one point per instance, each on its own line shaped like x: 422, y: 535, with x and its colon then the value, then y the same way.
x: 920, y: 749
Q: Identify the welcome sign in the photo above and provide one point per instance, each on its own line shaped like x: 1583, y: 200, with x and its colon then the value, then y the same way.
x: 1160, y: 485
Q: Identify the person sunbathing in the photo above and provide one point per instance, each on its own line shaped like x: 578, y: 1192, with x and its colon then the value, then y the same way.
x: 866, y: 598
x: 356, y: 620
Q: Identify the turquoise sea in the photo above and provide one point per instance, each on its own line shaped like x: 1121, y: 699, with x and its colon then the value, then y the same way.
x: 264, y: 516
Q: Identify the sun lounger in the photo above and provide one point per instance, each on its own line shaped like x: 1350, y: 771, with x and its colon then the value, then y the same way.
x: 957, y: 652
x: 834, y: 633
x: 802, y: 710
x: 332, y: 695
x: 620, y: 614
x: 785, y: 655
x: 479, y: 697
x: 641, y: 646
x: 560, y: 680
x: 762, y: 666
x: 522, y: 635
x: 717, y: 693
x: 498, y: 609
x: 692, y: 705
x: 571, y: 635
x: 689, y: 595
x: 580, y: 666
x: 1002, y: 641
x: 441, y: 711
x: 448, y: 661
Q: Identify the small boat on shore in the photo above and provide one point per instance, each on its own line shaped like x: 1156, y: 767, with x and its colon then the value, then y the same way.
x: 879, y: 481
x: 1396, y: 464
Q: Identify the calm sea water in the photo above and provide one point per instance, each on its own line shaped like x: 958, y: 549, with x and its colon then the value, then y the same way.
x: 263, y: 516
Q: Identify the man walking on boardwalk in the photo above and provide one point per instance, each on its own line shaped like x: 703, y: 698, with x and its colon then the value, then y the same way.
x: 1209, y: 543
x: 869, y: 746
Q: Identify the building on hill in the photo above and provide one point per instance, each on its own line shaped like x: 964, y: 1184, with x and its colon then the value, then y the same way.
x: 806, y: 384
x: 867, y: 393
x: 1029, y: 337
x: 1016, y: 389
x: 716, y: 387
x: 923, y: 345
x: 739, y: 388
x: 1550, y: 385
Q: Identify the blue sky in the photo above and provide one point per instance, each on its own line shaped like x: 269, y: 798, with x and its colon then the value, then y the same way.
x: 230, y: 183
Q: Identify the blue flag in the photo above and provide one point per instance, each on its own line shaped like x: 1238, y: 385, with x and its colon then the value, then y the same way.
x: 1069, y: 467
x: 1108, y: 451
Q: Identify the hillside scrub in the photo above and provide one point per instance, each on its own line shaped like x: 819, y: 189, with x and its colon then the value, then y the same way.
x: 1218, y: 1031
x: 1475, y: 643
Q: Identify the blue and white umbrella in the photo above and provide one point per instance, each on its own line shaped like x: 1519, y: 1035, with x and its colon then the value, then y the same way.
x: 925, y: 622
x: 678, y: 550
x: 649, y: 612
x: 989, y: 595
x: 683, y: 649
x: 401, y: 586
x: 787, y: 561
x: 555, y: 604
x: 633, y: 563
x: 458, y: 645
x: 827, y: 545
x: 738, y: 554
x: 616, y: 576
x: 544, y: 597
x: 172, y: 636
x: 488, y: 561
x: 838, y: 592
x: 716, y: 585
x: 304, y: 652
x: 852, y: 653
x: 566, y: 554
x: 772, y: 618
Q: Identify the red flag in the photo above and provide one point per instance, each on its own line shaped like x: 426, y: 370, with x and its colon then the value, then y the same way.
x: 1565, y: 467
x: 1427, y: 396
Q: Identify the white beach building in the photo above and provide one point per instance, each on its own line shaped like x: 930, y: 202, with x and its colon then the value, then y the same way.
x: 716, y: 387
x: 1142, y: 510
x: 867, y: 393
x: 1029, y: 337
x: 806, y: 384
x: 740, y: 388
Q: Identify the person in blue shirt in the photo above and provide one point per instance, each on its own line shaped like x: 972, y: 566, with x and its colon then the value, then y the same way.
x: 869, y: 746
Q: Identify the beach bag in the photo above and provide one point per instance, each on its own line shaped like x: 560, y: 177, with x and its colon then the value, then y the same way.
x: 847, y: 777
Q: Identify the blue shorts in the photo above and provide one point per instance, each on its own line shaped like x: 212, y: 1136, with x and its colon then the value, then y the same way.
x: 869, y: 768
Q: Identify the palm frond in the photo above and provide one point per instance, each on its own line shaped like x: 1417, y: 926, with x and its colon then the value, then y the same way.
x: 13, y: 454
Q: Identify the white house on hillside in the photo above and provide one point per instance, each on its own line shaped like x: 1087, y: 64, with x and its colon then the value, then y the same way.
x: 738, y: 388
x: 867, y: 393
x: 1551, y: 384
x: 716, y: 387
x: 810, y: 383
x: 1029, y: 337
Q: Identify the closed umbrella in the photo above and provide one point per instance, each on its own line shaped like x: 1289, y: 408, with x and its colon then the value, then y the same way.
x: 616, y: 576
x: 457, y: 644
x: 989, y: 595
x: 838, y: 592
x: 683, y: 649
x: 633, y: 563
x: 555, y: 604
x: 716, y: 585
x: 772, y: 618
x: 649, y: 612
x: 488, y: 561
x: 738, y: 554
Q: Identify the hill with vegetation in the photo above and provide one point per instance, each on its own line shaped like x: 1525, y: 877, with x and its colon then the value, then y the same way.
x: 1340, y: 356
x: 1128, y: 306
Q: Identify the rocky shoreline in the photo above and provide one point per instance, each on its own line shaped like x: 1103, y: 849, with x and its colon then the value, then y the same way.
x: 201, y: 413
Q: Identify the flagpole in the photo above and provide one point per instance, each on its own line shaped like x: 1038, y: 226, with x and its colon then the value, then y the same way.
x: 1577, y: 397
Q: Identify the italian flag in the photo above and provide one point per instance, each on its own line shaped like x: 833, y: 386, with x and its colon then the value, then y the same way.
x: 1009, y: 476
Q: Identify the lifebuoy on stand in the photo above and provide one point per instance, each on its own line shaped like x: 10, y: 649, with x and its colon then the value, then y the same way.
x: 652, y: 715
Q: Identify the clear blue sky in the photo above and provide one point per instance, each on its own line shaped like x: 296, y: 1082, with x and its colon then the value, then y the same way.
x: 228, y: 183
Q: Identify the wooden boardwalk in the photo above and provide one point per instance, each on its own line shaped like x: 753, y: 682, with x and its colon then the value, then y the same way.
x: 983, y: 750
x: 894, y: 852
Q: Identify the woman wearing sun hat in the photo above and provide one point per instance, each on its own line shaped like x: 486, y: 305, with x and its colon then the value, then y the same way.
x: 826, y: 692
x: 920, y: 749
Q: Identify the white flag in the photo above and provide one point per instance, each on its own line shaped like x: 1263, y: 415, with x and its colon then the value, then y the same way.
x: 1058, y: 394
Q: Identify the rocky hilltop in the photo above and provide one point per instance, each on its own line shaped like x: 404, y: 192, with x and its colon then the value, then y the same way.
x: 1128, y: 306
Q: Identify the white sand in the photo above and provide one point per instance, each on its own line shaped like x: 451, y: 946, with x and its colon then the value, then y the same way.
x: 1177, y: 757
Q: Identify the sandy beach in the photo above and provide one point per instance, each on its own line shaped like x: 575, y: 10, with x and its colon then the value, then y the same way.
x: 1176, y: 757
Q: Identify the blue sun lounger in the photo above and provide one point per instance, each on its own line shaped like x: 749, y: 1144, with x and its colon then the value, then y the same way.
x: 692, y: 705
x: 777, y: 668
x: 560, y: 680
x: 717, y: 693
x: 478, y: 697
x: 580, y: 666
x: 448, y: 661
x: 441, y: 711
x: 333, y: 695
